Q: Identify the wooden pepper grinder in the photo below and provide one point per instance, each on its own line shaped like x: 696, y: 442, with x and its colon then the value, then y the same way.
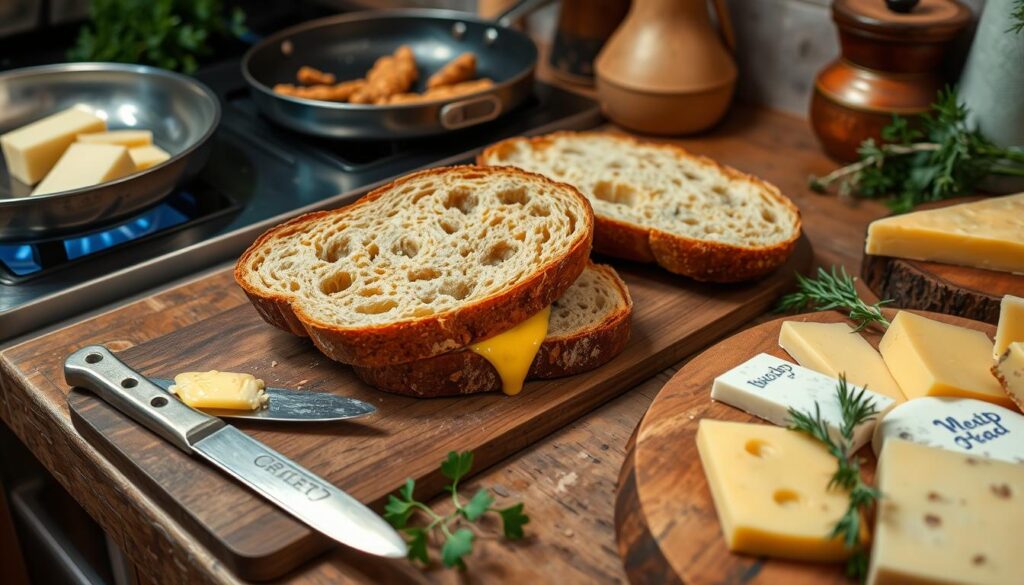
x: 666, y: 70
x: 889, y: 64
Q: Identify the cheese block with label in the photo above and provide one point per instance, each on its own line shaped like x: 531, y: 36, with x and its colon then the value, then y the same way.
x: 835, y: 348
x: 1009, y: 371
x: 129, y: 138
x: 767, y: 387
x: 985, y: 234
x: 511, y: 352
x: 31, y: 151
x: 1011, y: 324
x: 770, y: 488
x: 220, y: 390
x: 966, y: 425
x: 930, y: 358
x: 84, y: 165
x: 946, y: 518
x: 147, y: 156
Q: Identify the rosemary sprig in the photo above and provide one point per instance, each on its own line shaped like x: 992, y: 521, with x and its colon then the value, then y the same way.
x: 833, y: 290
x: 856, y: 409
x: 1017, y: 17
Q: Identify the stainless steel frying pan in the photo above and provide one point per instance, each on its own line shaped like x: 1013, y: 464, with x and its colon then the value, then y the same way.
x: 348, y: 45
x: 181, y: 112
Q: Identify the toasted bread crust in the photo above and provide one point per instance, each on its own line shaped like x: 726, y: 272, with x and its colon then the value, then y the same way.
x: 704, y: 260
x: 415, y: 339
x: 463, y: 372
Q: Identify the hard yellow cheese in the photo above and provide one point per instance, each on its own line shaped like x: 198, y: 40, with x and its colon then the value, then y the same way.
x: 147, y: 156
x: 512, y: 351
x: 129, y: 138
x: 946, y: 518
x: 983, y: 234
x: 220, y: 390
x: 84, y: 165
x: 835, y: 348
x: 31, y: 151
x: 929, y: 358
x: 770, y: 489
x: 1011, y: 324
x: 1010, y: 372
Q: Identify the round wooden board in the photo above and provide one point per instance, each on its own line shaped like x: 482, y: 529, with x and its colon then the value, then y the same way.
x: 665, y: 519
x: 973, y: 293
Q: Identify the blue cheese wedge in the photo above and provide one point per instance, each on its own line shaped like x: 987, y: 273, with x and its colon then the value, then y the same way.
x: 767, y: 387
x: 965, y: 425
x: 215, y: 390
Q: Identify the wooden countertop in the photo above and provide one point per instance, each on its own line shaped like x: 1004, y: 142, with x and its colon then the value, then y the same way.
x: 567, y: 479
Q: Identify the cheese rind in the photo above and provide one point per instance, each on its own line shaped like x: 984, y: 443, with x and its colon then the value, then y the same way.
x: 946, y: 518
x: 511, y: 352
x: 220, y: 390
x: 1011, y: 324
x: 770, y: 488
x: 1009, y: 371
x: 148, y: 156
x: 965, y: 425
x: 835, y: 348
x: 84, y: 165
x: 129, y: 138
x: 931, y: 358
x: 767, y: 387
x: 32, y: 151
x: 985, y: 234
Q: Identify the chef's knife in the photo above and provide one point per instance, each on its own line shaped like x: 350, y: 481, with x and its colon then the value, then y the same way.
x: 285, y: 405
x: 296, y: 490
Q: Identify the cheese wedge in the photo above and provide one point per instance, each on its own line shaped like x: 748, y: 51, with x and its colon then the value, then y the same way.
x: 220, y: 390
x: 84, y: 165
x: 512, y: 351
x: 770, y: 488
x: 127, y: 138
x: 985, y: 234
x: 930, y: 358
x: 1011, y: 324
x: 147, y: 156
x: 946, y: 518
x: 1009, y: 371
x: 835, y: 348
x: 31, y: 151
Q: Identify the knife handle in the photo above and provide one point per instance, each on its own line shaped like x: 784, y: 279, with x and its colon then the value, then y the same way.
x: 95, y: 368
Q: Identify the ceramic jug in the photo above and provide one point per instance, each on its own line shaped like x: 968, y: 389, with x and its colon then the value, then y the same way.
x: 667, y: 70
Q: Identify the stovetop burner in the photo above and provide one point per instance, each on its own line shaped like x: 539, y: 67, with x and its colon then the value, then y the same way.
x: 258, y: 175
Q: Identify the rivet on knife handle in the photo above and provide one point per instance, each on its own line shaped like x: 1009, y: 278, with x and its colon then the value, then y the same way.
x: 95, y: 368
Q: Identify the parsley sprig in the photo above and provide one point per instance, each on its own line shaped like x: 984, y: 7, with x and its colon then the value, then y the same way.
x: 456, y: 530
x: 856, y: 408
x: 833, y: 290
x: 935, y: 156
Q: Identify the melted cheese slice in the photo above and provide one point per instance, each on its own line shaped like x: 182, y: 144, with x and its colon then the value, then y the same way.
x: 512, y: 352
x: 220, y: 390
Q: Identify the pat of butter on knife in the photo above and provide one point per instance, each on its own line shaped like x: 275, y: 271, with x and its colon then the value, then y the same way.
x: 220, y: 390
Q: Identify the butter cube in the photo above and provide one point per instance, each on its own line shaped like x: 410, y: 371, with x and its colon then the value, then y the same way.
x: 148, y: 156
x: 220, y: 390
x: 84, y: 165
x: 1011, y: 324
x: 930, y: 358
x: 127, y: 138
x: 31, y: 151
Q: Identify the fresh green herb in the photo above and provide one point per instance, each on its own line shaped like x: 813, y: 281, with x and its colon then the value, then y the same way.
x: 833, y: 290
x: 856, y: 409
x: 456, y: 530
x: 171, y: 34
x: 935, y: 158
x: 1017, y: 17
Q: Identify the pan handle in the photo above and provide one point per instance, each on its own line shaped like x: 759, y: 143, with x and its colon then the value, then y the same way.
x: 470, y: 111
x: 519, y: 10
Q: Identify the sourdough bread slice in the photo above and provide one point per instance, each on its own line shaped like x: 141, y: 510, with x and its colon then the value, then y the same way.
x: 427, y: 264
x: 589, y: 325
x: 659, y: 203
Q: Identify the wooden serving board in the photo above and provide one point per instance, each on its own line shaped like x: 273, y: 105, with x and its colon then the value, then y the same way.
x: 408, y: 437
x: 973, y: 293
x: 665, y: 519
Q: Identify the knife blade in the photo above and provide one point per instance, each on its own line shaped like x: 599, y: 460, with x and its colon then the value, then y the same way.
x: 296, y: 490
x: 291, y: 405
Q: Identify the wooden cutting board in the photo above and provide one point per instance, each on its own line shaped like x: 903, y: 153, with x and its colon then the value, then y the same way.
x: 665, y: 519
x: 408, y: 437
